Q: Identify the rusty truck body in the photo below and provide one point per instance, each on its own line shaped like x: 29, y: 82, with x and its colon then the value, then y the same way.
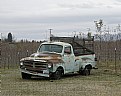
x: 56, y: 58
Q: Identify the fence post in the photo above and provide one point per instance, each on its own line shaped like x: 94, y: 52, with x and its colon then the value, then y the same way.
x: 18, y: 57
x: 27, y: 53
x: 115, y: 62
x: 0, y: 54
x: 8, y: 61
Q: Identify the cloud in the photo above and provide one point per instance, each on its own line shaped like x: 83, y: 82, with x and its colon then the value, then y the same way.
x: 35, y: 17
x: 81, y: 5
x: 87, y: 4
x: 118, y: 0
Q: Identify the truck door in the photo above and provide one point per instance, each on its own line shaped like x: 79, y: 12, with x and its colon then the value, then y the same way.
x: 68, y: 59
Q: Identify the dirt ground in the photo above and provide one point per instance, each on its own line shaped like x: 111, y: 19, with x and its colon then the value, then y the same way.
x: 99, y: 83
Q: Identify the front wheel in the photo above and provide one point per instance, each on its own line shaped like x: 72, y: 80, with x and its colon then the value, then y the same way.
x: 58, y: 74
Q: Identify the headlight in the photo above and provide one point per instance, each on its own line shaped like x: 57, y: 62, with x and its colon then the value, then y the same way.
x: 21, y: 63
x: 50, y: 65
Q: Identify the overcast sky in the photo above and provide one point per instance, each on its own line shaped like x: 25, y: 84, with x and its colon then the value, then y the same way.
x: 31, y: 19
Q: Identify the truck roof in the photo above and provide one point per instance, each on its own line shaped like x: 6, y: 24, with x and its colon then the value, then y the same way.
x: 59, y: 43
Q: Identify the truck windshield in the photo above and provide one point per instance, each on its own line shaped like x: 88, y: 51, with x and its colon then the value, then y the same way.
x: 50, y: 48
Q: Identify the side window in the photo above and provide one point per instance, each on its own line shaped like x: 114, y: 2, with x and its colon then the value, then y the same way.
x: 67, y: 50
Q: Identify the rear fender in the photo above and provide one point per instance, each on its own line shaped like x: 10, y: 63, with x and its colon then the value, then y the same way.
x: 89, y: 66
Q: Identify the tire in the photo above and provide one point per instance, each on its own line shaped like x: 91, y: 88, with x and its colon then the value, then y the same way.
x: 25, y: 76
x: 86, y: 71
x: 58, y: 74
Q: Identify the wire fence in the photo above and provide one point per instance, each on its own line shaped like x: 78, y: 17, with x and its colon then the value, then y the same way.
x: 103, y: 82
x: 11, y: 53
x: 108, y: 55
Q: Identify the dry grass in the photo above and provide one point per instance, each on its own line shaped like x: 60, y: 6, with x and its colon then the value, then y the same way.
x: 99, y: 83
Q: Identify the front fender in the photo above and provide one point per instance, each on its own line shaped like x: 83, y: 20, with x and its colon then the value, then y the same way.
x: 59, y: 65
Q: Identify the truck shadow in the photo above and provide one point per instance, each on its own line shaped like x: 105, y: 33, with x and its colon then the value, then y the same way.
x: 36, y: 78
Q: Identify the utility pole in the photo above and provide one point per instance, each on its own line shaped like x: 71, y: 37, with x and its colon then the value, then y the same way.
x: 50, y: 33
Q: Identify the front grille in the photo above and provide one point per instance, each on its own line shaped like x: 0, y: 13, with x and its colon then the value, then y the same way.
x: 35, y: 66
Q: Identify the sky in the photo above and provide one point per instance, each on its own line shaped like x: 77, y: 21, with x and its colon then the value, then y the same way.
x: 32, y: 19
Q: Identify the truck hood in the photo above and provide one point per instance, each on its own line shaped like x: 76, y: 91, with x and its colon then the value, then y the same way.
x: 45, y: 57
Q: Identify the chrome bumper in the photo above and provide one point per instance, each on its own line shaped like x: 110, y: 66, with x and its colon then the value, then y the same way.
x: 44, y: 74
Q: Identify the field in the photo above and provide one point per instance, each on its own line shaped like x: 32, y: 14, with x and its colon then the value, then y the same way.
x: 105, y: 81
x: 100, y: 83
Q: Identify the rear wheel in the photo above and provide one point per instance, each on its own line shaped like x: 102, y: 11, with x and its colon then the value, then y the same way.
x: 25, y: 76
x: 86, y: 71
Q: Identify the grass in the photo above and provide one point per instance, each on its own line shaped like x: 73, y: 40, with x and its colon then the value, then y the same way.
x: 99, y: 83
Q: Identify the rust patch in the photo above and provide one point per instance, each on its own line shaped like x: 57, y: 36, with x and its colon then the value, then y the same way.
x: 48, y: 57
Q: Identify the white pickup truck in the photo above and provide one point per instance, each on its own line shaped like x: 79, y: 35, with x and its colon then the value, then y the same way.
x: 54, y: 59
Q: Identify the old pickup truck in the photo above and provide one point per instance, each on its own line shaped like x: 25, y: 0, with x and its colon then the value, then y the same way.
x: 54, y: 59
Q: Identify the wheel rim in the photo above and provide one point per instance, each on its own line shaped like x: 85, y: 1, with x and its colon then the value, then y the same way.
x: 58, y: 74
x: 86, y: 71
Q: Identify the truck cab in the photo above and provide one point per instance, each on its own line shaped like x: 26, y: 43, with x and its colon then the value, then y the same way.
x: 55, y: 59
